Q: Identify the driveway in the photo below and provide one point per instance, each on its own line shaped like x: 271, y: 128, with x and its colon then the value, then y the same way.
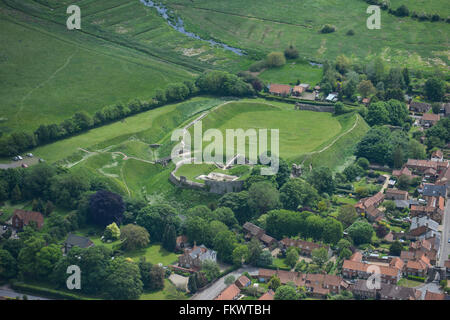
x: 445, y: 246
x: 219, y: 285
x: 16, y: 164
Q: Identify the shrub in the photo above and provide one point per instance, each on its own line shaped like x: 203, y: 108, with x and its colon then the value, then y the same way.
x: 328, y: 29
x: 291, y: 53
x: 275, y: 59
x: 350, y: 32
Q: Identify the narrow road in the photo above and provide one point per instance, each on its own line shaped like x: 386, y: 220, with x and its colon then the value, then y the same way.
x: 217, y: 287
x: 445, y: 246
x: 5, y: 291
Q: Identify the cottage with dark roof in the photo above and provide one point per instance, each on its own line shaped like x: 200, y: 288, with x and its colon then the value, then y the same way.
x: 77, y: 241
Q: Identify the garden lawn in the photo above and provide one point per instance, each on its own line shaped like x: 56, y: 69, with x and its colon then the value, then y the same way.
x: 154, y: 254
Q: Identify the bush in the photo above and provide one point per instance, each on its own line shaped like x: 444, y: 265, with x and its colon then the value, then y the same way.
x: 258, y: 66
x: 51, y: 293
x: 416, y: 278
x: 328, y: 29
x: 275, y: 59
x: 350, y: 32
x: 291, y: 53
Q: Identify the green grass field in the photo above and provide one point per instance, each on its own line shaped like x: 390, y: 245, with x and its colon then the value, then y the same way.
x: 266, y: 26
x: 293, y: 71
x: 300, y: 132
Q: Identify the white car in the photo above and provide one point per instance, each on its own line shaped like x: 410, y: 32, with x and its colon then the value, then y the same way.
x: 29, y: 155
x: 19, y: 157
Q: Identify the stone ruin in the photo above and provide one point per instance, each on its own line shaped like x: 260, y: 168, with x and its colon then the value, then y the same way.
x: 296, y: 170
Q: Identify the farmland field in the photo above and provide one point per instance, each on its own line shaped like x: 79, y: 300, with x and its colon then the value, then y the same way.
x: 267, y: 25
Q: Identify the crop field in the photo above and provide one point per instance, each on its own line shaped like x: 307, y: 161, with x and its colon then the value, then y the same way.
x: 266, y: 25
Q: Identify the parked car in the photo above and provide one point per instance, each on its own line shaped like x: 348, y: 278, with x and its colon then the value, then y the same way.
x: 15, y: 158
x: 41, y: 160
x: 5, y: 227
x: 20, y: 158
x: 29, y: 155
x: 24, y: 165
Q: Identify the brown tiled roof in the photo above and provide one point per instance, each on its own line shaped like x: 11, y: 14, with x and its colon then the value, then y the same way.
x: 397, y: 263
x: 437, y: 154
x: 422, y: 163
x: 405, y: 171
x: 357, y: 256
x: 266, y: 273
x: 269, y: 295
x: 299, y: 89
x: 407, y: 255
x: 280, y: 88
x: 252, y: 228
x: 434, y: 296
x: 416, y: 265
x: 27, y: 216
x: 447, y: 263
x: 362, y: 267
x: 242, y: 281
x: 396, y: 191
x: 229, y: 293
x: 431, y: 117
x: 266, y: 239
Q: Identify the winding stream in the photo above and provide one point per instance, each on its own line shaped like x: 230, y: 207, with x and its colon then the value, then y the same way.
x: 179, y: 26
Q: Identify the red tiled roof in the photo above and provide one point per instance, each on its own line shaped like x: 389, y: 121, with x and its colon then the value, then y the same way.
x: 431, y: 117
x: 242, y: 281
x: 229, y: 293
x: 269, y: 295
x: 27, y: 216
x: 357, y: 256
x: 280, y: 88
x: 434, y: 296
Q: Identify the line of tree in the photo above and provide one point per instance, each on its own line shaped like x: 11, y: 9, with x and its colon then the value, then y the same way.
x: 215, y: 83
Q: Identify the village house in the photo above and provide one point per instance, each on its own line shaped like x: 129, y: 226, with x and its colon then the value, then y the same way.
x: 403, y: 172
x: 418, y: 267
x: 232, y: 292
x: 394, y: 292
x: 437, y: 156
x: 269, y: 295
x: 417, y: 249
x: 434, y: 296
x: 434, y: 190
x: 429, y: 119
x: 421, y: 107
x: 253, y: 231
x: 77, y: 241
x: 243, y: 282
x: 297, y: 278
x: 298, y: 91
x: 306, y: 247
x: 446, y: 107
x: 193, y: 258
x: 320, y: 285
x: 181, y: 242
x: 421, y: 165
x: 280, y: 89
x: 365, y: 203
x: 361, y: 291
x: 22, y: 218
x: 434, y: 209
x: 423, y: 228
x: 396, y: 194
x: 444, y: 179
x: 356, y: 268
x: 373, y: 214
